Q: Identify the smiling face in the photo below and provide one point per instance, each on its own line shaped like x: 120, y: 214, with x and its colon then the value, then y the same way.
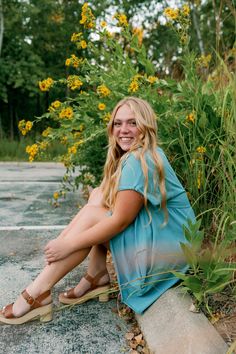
x: 124, y: 128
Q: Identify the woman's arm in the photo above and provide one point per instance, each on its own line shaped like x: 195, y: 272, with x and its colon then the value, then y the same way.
x: 127, y: 206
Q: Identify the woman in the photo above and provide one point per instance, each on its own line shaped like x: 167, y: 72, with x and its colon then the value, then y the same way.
x: 138, y: 213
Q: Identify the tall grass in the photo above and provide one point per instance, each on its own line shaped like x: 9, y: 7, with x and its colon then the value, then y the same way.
x: 14, y: 150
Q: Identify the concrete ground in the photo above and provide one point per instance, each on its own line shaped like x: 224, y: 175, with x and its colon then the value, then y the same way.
x: 27, y: 221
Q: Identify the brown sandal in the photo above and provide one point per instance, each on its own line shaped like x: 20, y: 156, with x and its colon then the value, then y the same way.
x: 37, y: 310
x: 94, y: 291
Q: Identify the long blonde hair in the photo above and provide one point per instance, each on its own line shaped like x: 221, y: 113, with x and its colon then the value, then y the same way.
x: 146, y: 142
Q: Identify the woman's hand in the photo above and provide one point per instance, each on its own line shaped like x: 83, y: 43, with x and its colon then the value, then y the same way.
x: 56, y: 249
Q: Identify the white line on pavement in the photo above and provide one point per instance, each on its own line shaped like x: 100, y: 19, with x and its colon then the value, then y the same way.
x: 33, y: 227
x: 29, y: 182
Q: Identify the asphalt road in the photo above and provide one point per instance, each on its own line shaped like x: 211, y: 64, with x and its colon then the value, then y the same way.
x: 27, y: 221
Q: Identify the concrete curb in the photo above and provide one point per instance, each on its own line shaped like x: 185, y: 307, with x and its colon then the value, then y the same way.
x: 169, y: 327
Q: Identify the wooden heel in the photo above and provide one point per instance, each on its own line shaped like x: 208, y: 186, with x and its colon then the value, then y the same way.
x: 103, y: 297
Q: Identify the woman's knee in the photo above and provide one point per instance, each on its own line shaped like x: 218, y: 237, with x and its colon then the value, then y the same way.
x: 95, y: 197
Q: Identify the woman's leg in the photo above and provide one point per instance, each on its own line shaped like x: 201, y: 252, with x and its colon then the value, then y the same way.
x: 98, y: 253
x: 51, y: 274
x: 97, y: 263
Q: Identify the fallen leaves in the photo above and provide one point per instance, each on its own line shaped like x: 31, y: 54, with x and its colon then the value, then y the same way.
x: 136, y: 341
x: 134, y: 337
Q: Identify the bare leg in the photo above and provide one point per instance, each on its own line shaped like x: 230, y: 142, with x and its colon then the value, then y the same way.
x: 97, y: 263
x: 97, y: 255
x: 51, y: 274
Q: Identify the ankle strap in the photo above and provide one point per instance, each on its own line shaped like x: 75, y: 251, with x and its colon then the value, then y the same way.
x: 35, y: 302
x: 94, y: 280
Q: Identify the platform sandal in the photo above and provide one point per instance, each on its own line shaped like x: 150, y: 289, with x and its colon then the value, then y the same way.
x: 37, y: 310
x: 95, y: 290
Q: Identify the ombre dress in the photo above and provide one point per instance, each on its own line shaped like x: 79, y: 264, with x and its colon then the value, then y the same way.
x: 146, y: 251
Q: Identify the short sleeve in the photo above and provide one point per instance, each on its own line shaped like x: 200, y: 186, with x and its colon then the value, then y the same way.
x: 132, y: 177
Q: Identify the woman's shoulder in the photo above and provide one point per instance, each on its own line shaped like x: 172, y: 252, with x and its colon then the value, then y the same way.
x: 133, y: 157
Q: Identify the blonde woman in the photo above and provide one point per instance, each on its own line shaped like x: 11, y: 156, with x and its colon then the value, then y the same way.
x: 138, y: 213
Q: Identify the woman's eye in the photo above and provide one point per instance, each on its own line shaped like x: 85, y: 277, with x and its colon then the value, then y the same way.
x: 133, y: 124
x: 116, y: 124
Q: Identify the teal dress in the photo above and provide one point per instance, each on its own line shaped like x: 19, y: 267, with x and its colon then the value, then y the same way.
x: 146, y: 251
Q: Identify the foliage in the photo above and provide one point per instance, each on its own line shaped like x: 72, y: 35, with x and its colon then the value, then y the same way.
x: 211, y: 267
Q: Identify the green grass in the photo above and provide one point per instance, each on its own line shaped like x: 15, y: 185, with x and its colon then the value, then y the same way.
x: 14, y: 150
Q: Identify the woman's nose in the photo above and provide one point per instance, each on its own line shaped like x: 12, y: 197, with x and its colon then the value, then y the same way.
x: 124, y: 128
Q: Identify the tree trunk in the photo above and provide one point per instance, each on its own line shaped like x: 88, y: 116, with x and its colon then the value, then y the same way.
x: 11, y: 114
x: 197, y: 29
x: 1, y: 26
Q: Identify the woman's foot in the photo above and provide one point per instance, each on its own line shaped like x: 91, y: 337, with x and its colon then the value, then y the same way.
x: 27, y: 308
x: 89, y: 287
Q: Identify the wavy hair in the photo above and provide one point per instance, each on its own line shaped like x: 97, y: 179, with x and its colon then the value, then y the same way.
x: 146, y: 142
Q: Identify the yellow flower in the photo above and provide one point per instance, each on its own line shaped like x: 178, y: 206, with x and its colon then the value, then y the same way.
x: 122, y: 20
x: 74, y: 82
x: 74, y: 60
x: 64, y: 140
x: 46, y: 84
x: 139, y: 33
x: 56, y: 104
x: 201, y: 149
x: 204, y: 60
x: 185, y: 10
x: 55, y: 195
x: 133, y: 87
x: 106, y: 118
x: 103, y: 91
x: 83, y: 44
x: 191, y: 117
x: 87, y: 17
x: 171, y: 13
x: 24, y: 126
x: 103, y: 24
x: 76, y: 37
x: 28, y: 125
x: 32, y: 151
x: 72, y: 150
x: 21, y: 124
x: 46, y: 132
x: 66, y: 113
x: 152, y: 79
x: 101, y: 106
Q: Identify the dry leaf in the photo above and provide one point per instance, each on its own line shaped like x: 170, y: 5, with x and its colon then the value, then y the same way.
x: 193, y: 308
x: 133, y: 344
x: 139, y: 338
x: 129, y: 335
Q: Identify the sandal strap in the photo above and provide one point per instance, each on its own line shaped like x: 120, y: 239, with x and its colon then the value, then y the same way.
x: 34, y: 303
x: 94, y: 280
